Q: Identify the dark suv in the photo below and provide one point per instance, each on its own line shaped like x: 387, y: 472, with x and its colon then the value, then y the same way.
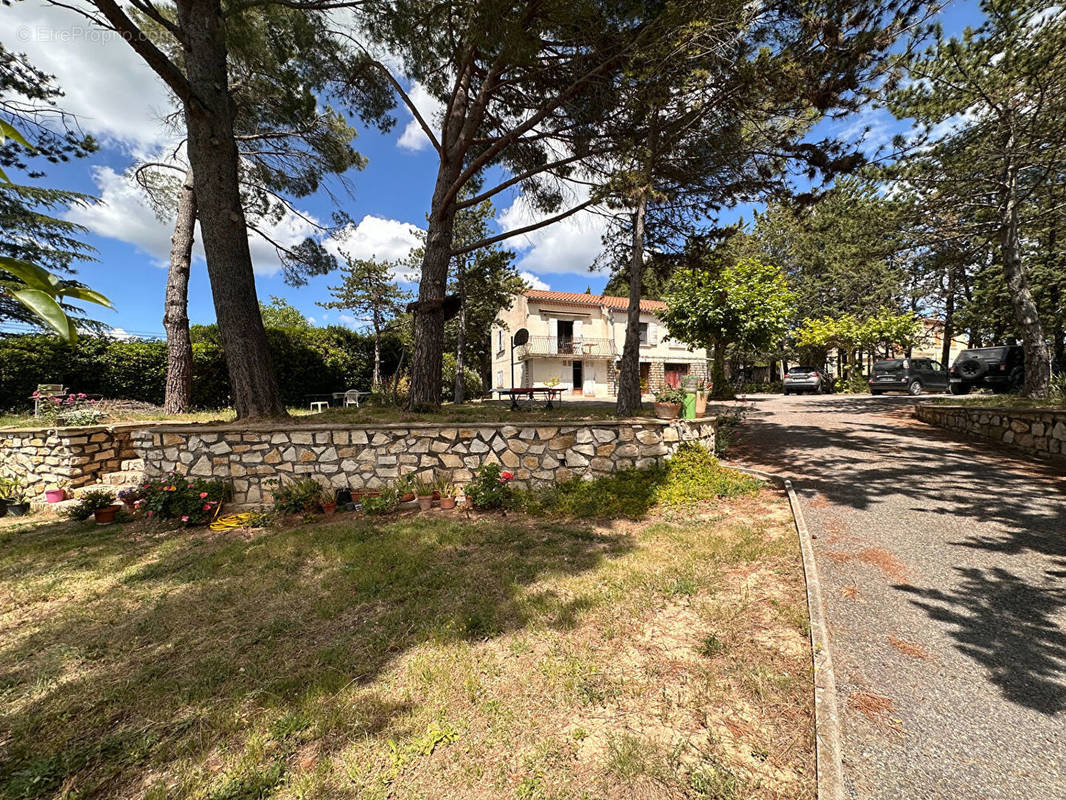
x: 910, y: 375
x: 1001, y: 369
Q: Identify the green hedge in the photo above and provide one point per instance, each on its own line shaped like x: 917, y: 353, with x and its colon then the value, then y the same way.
x: 312, y: 361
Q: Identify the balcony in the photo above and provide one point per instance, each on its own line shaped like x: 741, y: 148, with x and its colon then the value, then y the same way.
x: 552, y: 347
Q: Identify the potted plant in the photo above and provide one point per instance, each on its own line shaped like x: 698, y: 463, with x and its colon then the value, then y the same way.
x: 56, y: 493
x: 102, y: 504
x: 405, y: 489
x: 440, y: 483
x: 447, y: 495
x: 424, y: 494
x: 129, y: 498
x: 327, y: 500
x: 18, y: 504
x: 668, y: 402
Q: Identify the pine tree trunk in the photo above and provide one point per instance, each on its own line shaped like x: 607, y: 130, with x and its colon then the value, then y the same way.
x: 375, y: 381
x: 213, y: 155
x: 176, y: 304
x: 1037, y: 358
x: 629, y: 368
x: 427, y: 358
x: 460, y: 339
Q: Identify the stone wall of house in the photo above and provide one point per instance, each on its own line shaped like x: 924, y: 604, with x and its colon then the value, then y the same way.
x: 1037, y: 431
x: 44, y: 457
x: 371, y: 456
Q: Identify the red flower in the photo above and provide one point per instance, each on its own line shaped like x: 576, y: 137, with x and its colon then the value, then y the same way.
x: 207, y: 506
x: 506, y: 476
x: 203, y: 495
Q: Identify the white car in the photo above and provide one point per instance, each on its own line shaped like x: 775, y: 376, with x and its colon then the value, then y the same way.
x: 807, y: 379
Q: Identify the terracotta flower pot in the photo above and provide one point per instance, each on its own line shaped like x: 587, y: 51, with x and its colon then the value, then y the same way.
x: 407, y: 498
x: 667, y: 410
x: 55, y: 495
x: 105, y: 516
x: 701, y: 403
x: 425, y: 502
x: 447, y: 503
x: 329, y: 509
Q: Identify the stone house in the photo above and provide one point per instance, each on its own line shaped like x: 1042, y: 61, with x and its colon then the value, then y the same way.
x: 576, y: 340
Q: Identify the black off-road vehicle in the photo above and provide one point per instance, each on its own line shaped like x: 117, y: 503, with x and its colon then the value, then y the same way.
x: 1001, y: 369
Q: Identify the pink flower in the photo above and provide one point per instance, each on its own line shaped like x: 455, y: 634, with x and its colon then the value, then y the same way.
x: 203, y: 495
x: 207, y: 506
x: 149, y: 513
x: 185, y: 519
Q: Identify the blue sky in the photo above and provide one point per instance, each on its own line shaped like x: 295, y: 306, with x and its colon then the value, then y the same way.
x: 121, y: 102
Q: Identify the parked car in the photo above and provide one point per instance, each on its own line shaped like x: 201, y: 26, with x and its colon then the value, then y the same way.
x: 1001, y: 369
x: 910, y: 375
x: 807, y: 379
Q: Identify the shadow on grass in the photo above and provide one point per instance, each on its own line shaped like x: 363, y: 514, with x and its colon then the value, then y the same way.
x: 127, y: 653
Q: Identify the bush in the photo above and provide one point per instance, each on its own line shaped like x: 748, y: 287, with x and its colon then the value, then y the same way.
x: 90, y: 502
x: 472, y: 386
x: 193, y: 502
x: 854, y: 382
x: 297, y: 497
x: 384, y: 503
x: 490, y: 488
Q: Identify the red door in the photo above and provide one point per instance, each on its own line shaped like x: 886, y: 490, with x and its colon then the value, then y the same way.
x: 673, y: 373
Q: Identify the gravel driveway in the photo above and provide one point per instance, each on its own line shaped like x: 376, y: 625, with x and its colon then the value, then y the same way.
x: 944, y: 572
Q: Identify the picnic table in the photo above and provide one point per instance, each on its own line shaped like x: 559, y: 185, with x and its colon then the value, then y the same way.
x: 549, y: 393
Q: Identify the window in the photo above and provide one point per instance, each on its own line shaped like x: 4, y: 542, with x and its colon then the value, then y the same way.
x: 499, y: 378
x: 499, y: 340
x: 643, y: 332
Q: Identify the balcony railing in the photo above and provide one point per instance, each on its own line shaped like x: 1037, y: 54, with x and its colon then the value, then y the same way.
x: 550, y: 346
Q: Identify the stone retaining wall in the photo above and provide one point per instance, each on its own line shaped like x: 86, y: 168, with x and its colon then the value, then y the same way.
x: 371, y: 456
x: 43, y: 457
x: 1037, y: 431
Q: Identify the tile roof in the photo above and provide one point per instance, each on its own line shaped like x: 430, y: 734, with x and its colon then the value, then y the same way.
x: 582, y: 299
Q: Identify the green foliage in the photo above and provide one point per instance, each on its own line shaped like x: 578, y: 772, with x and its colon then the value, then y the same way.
x: 853, y: 382
x: 192, y: 501
x: 472, y: 385
x: 669, y: 394
x: 747, y: 302
x: 279, y: 313
x: 877, y: 333
x: 89, y: 502
x: 693, y: 475
x: 12, y: 490
x: 384, y: 503
x: 301, y: 496
x: 316, y: 360
x: 490, y: 489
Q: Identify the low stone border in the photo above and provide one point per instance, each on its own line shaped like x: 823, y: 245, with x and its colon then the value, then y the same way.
x: 1039, y: 432
x: 827, y: 736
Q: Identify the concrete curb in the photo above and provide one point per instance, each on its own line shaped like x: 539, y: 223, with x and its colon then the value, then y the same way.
x: 827, y: 736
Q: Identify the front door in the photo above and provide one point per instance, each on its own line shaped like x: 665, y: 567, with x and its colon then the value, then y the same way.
x: 578, y: 377
x: 673, y: 373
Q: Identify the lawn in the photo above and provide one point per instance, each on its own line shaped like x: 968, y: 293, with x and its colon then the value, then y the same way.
x: 416, y: 656
x: 483, y: 411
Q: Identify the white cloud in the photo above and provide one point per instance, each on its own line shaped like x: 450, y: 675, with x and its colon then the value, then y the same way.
x: 413, y: 137
x: 114, y: 94
x: 123, y: 213
x: 533, y: 281
x: 568, y: 246
x: 378, y: 239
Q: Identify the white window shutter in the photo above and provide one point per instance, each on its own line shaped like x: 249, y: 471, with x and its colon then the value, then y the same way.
x: 577, y: 330
x: 653, y: 334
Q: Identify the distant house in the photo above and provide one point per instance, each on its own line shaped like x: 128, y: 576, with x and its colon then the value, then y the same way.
x: 576, y: 340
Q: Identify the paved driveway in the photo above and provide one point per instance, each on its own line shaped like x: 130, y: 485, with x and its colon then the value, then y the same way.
x: 944, y: 572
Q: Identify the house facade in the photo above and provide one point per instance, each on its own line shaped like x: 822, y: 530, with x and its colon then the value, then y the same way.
x: 575, y: 342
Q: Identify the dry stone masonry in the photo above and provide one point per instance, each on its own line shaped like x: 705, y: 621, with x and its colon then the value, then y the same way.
x: 369, y: 457
x: 43, y: 457
x: 1039, y: 431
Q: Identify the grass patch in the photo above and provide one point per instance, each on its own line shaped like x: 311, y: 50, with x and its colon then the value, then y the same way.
x: 692, y: 476
x: 406, y: 657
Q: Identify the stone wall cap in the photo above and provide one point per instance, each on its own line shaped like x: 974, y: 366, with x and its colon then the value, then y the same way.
x: 80, y: 429
x: 1003, y: 411
x: 288, y: 427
